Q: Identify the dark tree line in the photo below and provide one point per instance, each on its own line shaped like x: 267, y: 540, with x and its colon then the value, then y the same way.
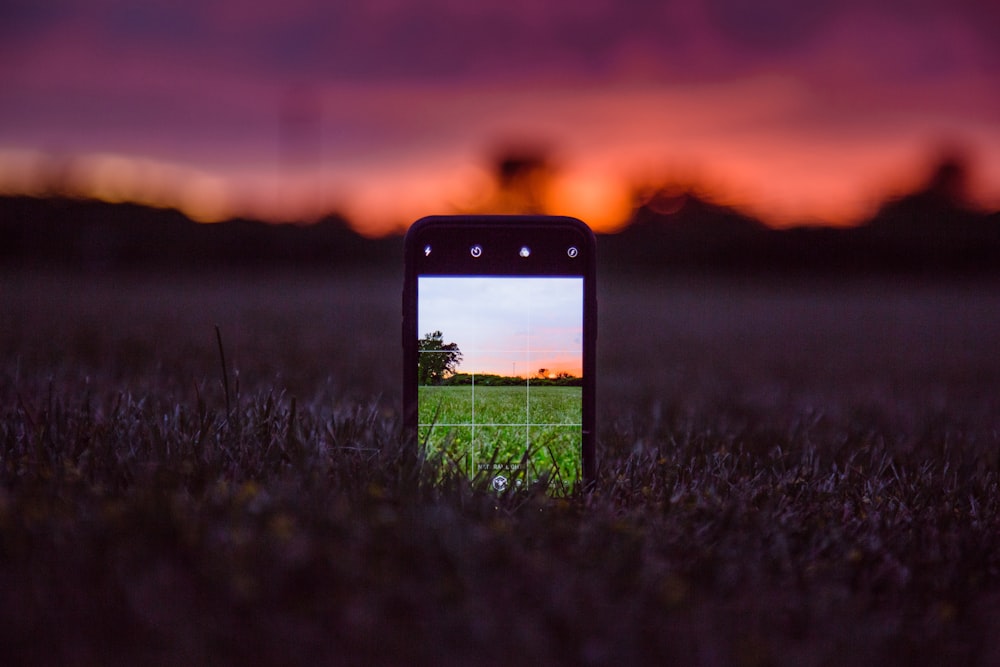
x: 491, y: 380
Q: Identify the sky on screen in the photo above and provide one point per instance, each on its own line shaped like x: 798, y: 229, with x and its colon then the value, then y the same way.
x: 506, y: 325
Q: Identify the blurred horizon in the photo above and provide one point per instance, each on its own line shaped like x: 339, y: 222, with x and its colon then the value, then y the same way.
x: 387, y: 111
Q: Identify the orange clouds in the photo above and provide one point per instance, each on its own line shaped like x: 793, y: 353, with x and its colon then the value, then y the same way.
x: 790, y: 111
x: 781, y: 149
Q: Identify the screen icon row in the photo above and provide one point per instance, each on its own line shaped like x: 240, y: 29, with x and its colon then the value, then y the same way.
x: 476, y: 250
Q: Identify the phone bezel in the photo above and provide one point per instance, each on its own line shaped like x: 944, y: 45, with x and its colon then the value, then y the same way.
x: 502, y: 237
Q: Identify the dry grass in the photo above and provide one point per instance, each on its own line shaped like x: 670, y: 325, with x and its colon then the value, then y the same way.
x: 801, y: 475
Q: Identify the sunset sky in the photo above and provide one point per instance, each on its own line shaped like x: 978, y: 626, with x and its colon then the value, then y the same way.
x: 506, y: 326
x: 387, y: 110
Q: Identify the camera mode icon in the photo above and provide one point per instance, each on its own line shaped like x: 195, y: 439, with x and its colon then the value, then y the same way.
x: 499, y: 483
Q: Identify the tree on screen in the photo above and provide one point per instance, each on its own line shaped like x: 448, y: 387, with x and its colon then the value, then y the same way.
x: 436, y: 359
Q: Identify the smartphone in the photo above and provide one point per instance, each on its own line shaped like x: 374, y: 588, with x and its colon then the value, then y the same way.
x: 499, y: 334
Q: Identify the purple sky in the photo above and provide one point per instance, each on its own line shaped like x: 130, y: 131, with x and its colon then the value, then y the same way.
x: 389, y: 109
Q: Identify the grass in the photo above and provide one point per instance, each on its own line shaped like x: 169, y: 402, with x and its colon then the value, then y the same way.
x: 486, y: 430
x: 799, y: 474
x: 500, y: 405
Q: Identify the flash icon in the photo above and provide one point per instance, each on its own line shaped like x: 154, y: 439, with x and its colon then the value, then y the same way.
x: 427, y: 251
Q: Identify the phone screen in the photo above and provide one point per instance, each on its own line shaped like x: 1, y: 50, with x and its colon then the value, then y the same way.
x: 502, y: 348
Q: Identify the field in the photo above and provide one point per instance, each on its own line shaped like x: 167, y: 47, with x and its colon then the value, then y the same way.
x: 790, y: 472
x: 503, y: 434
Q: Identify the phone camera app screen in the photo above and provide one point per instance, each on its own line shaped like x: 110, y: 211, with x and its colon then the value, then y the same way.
x: 500, y: 377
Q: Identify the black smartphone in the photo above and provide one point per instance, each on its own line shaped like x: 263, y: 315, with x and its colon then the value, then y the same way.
x: 499, y: 329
